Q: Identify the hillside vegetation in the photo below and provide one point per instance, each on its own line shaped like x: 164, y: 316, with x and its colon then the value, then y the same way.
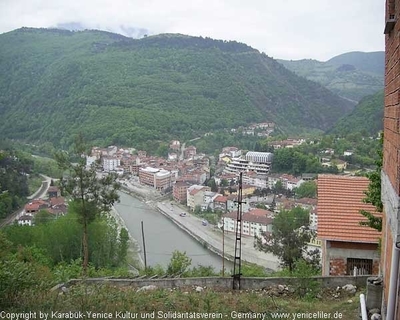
x: 352, y: 75
x: 367, y: 117
x: 117, y: 90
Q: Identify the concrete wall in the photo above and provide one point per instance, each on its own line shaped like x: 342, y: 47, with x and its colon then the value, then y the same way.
x: 219, y: 282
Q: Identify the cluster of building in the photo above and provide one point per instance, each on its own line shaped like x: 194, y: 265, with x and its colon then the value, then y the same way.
x: 182, y: 165
x: 54, y: 204
x: 263, y: 129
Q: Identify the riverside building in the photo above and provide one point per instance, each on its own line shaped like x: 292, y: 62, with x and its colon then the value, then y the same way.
x: 258, y: 162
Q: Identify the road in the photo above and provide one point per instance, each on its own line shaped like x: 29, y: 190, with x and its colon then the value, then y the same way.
x: 40, y: 193
x: 213, y: 236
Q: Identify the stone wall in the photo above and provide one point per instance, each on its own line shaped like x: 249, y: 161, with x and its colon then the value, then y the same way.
x: 221, y: 282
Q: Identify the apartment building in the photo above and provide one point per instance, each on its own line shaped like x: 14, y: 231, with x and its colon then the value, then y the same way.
x: 259, y: 162
x: 159, y: 179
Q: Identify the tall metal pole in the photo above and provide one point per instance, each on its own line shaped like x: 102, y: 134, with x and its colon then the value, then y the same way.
x: 223, y: 247
x: 237, y: 266
x: 144, y: 247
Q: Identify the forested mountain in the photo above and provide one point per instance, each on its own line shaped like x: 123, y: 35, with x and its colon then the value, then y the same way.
x: 118, y: 90
x: 367, y: 117
x: 352, y: 75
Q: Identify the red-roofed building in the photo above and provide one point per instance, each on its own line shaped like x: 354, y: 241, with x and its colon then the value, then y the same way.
x: 35, y: 206
x: 346, y: 244
x: 57, y: 201
x: 220, y: 203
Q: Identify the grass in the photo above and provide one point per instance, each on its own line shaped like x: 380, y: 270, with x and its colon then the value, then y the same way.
x: 109, y: 299
x: 34, y: 183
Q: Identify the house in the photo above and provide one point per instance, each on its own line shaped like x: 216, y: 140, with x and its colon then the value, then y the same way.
x: 255, y: 222
x: 53, y: 192
x: 25, y: 220
x: 346, y: 245
x: 35, y: 206
x: 189, y: 152
x: 220, y: 203
x: 390, y: 176
x: 195, y: 196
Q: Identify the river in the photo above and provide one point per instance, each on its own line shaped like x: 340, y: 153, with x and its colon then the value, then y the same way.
x: 162, y: 236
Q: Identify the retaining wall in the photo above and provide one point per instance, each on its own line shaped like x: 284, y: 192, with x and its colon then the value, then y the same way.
x: 221, y: 282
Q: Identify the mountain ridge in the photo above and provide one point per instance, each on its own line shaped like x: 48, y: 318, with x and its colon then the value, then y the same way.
x: 118, y: 90
x: 351, y: 75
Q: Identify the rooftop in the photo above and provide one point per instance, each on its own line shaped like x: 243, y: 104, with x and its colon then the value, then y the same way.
x: 339, y: 205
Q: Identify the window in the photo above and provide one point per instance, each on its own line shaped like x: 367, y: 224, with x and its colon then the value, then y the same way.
x: 362, y: 266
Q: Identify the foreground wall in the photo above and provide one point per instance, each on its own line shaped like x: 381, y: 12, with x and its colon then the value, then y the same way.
x: 220, y: 282
x: 391, y: 163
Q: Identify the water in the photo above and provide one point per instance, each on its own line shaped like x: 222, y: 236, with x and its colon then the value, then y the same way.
x: 162, y: 236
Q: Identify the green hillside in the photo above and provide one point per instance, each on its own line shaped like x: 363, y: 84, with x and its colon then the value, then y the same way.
x: 373, y: 62
x: 352, y: 75
x: 117, y: 90
x: 366, y: 117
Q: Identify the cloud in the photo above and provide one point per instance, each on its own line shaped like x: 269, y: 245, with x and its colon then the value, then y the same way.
x: 289, y: 29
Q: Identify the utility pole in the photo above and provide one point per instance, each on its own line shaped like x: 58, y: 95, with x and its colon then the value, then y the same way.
x: 237, y: 266
x: 223, y: 247
x: 144, y: 247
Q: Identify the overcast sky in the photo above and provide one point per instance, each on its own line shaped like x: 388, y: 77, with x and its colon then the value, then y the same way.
x: 285, y: 29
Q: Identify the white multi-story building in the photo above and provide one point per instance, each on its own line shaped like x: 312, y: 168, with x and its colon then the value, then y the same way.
x: 255, y: 222
x: 195, y: 196
x: 259, y: 162
x: 111, y: 164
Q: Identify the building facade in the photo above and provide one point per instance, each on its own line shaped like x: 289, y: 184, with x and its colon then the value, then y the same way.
x: 390, y: 177
x: 347, y: 247
x: 159, y: 179
x: 258, y: 162
x: 111, y: 164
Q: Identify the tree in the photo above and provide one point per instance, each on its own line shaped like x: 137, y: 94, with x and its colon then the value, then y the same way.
x: 91, y: 195
x: 211, y: 183
x: 278, y: 187
x: 289, y: 237
x: 42, y: 217
x: 373, y: 194
x: 307, y: 190
x: 179, y: 263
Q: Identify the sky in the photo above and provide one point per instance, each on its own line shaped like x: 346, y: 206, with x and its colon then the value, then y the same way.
x: 283, y: 29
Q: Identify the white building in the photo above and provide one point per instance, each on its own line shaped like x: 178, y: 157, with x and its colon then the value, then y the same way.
x: 26, y: 219
x: 90, y: 160
x: 255, y: 222
x: 259, y: 162
x: 111, y: 164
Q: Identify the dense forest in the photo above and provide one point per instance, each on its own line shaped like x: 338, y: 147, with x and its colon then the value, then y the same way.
x: 117, y: 90
x: 14, y: 171
x: 367, y: 117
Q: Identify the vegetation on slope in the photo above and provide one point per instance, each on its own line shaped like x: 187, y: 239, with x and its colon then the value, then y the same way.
x: 345, y: 75
x: 117, y: 90
x: 367, y: 117
x: 373, y: 62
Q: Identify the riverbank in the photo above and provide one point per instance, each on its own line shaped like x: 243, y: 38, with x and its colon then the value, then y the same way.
x: 209, y: 236
x: 134, y: 258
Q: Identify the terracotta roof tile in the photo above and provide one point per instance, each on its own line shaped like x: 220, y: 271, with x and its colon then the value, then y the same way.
x: 339, y: 205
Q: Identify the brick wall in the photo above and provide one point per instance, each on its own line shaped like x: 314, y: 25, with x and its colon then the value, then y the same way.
x: 391, y: 146
x: 392, y: 106
x: 337, y: 267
